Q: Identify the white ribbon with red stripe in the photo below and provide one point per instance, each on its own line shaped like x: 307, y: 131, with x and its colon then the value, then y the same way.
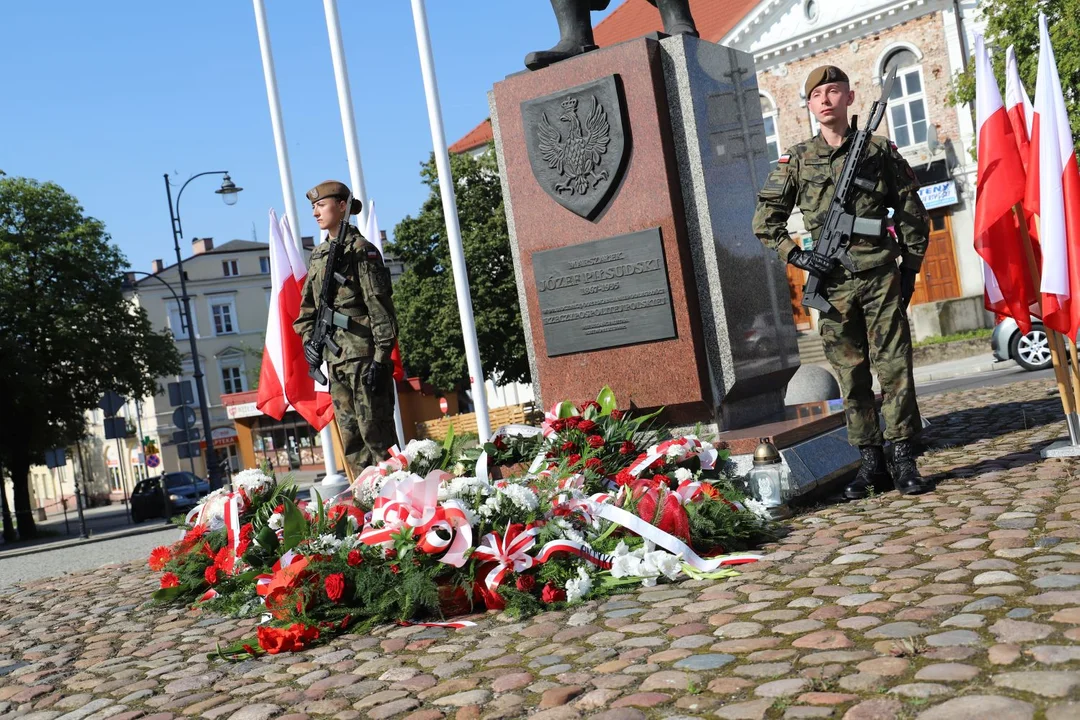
x: 507, y: 554
x: 574, y: 547
x: 456, y: 624
x: 687, y: 446
x: 669, y: 542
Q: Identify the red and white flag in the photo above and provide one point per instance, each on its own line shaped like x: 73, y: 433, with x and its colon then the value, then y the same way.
x: 1000, y: 187
x: 283, y: 377
x: 1053, y: 193
x: 1018, y: 105
x: 374, y: 236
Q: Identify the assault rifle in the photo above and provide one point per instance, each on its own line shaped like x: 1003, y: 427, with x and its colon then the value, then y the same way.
x: 840, y: 224
x: 326, y: 318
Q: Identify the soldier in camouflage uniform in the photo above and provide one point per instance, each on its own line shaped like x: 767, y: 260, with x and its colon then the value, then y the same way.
x: 868, y: 324
x: 361, y: 377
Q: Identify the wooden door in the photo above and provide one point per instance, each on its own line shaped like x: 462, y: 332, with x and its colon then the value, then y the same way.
x: 938, y: 279
x: 796, y: 279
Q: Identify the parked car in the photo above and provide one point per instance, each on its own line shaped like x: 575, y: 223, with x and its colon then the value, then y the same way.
x: 182, y: 492
x: 1030, y: 351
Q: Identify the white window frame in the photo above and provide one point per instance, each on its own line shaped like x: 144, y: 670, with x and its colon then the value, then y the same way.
x: 174, y: 312
x: 904, y: 103
x: 774, y: 114
x: 223, y: 301
x: 230, y: 268
x: 233, y: 362
x: 264, y: 260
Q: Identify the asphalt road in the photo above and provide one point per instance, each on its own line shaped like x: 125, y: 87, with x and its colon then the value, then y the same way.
x: 82, y: 557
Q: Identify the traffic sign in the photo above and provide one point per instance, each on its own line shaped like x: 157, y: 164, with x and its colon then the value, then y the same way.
x: 182, y: 436
x: 182, y: 451
x: 115, y: 428
x: 152, y: 461
x: 111, y: 403
x: 57, y: 457
x: 180, y: 394
x: 443, y: 405
x: 183, y: 417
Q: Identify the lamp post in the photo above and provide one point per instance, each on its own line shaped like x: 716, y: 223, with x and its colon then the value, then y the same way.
x: 128, y: 283
x: 228, y: 191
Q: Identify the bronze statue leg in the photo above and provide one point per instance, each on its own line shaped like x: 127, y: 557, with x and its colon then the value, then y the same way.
x: 575, y: 34
x: 676, y: 17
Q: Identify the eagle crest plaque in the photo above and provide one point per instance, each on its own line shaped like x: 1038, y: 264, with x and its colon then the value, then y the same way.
x: 577, y: 144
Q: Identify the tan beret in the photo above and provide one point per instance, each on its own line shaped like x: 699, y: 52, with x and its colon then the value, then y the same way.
x: 822, y: 75
x: 334, y: 189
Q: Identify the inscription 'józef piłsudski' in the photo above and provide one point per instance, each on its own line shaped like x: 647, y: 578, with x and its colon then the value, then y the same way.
x: 604, y: 293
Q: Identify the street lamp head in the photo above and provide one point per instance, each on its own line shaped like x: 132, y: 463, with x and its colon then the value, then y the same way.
x: 228, y: 190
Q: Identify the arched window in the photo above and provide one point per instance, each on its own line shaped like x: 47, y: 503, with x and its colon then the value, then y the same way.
x: 907, y: 104
x: 772, y: 135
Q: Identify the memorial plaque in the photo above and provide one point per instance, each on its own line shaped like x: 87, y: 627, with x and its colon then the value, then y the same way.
x: 604, y: 293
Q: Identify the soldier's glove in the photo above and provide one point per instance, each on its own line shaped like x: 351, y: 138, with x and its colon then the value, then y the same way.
x: 312, y: 354
x: 907, y: 286
x: 812, y: 262
x: 375, y: 375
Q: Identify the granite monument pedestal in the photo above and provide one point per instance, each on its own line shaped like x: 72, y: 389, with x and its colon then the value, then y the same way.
x: 630, y: 178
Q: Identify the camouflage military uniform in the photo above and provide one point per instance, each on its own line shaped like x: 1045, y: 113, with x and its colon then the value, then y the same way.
x: 868, y: 325
x: 366, y: 419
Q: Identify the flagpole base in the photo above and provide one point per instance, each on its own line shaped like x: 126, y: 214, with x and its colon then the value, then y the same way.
x: 333, y: 485
x: 1072, y: 422
x: 1060, y: 449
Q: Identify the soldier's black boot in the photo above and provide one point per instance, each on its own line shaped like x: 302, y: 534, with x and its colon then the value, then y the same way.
x: 575, y: 34
x: 872, y: 473
x: 905, y: 474
x: 676, y: 17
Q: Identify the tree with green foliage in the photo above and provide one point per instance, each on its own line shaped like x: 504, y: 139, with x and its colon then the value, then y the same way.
x: 67, y: 333
x: 430, y: 328
x: 1016, y: 22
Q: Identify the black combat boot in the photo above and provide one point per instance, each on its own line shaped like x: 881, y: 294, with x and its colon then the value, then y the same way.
x: 575, y: 34
x: 905, y: 474
x: 676, y: 17
x: 872, y: 473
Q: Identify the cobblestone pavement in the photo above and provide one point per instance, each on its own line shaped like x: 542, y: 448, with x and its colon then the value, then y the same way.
x: 960, y: 604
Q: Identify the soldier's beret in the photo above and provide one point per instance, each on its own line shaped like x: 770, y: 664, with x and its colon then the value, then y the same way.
x: 334, y: 189
x: 822, y: 75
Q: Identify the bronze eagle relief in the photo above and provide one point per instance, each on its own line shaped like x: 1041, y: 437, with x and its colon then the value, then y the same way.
x: 578, y: 144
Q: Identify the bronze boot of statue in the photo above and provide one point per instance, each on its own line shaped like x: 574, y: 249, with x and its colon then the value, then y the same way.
x: 676, y: 17
x: 575, y: 32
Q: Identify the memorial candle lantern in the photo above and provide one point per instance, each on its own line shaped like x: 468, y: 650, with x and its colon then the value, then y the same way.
x: 769, y: 480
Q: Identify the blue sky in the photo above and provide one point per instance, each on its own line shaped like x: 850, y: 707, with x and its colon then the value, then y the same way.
x: 105, y: 97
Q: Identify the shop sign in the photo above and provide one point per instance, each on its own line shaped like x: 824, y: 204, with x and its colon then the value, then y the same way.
x: 111, y: 459
x: 224, y: 436
x: 242, y: 410
x: 939, y: 195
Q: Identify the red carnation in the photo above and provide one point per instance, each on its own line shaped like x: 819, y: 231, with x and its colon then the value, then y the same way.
x: 295, y: 637
x: 158, y: 557
x: 391, y: 553
x: 169, y: 580
x: 625, y: 478
x: 395, y: 568
x: 627, y: 448
x: 595, y: 441
x: 595, y: 465
x: 355, y: 558
x: 616, y: 414
x: 558, y: 425
x: 526, y: 583
x: 247, y: 531
x: 659, y: 480
x: 574, y: 459
x: 211, y: 574
x: 551, y: 594
x: 567, y: 446
x: 586, y: 426
x: 335, y: 586
x: 572, y: 422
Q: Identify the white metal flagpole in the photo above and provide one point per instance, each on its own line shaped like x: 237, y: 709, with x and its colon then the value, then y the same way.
x: 333, y: 477
x: 352, y: 149
x: 453, y: 229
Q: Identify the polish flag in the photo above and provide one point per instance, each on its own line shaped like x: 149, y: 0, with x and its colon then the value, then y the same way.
x: 1018, y: 105
x: 374, y: 236
x: 1000, y: 187
x: 1053, y: 193
x: 283, y: 377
